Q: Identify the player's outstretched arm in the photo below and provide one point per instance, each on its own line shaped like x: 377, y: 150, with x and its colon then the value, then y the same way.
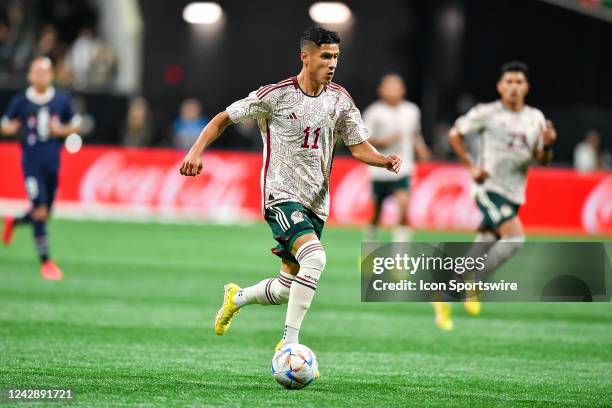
x: 58, y: 129
x: 544, y: 154
x: 10, y: 127
x: 380, y: 142
x: 192, y: 163
x: 366, y: 153
x: 455, y: 139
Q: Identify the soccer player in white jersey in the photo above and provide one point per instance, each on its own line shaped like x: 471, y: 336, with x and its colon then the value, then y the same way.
x: 300, y: 119
x: 513, y: 134
x: 395, y: 124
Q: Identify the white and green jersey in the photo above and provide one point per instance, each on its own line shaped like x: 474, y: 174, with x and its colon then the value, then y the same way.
x: 384, y: 120
x: 299, y: 134
x: 509, y: 140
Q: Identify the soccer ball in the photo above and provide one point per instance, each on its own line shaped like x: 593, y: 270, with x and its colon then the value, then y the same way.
x: 294, y: 366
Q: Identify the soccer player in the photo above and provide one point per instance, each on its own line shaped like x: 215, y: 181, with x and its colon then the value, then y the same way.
x: 396, y: 127
x: 300, y: 119
x: 42, y: 115
x: 513, y: 134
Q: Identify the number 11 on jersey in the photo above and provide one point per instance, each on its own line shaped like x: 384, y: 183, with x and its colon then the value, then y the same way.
x: 317, y: 133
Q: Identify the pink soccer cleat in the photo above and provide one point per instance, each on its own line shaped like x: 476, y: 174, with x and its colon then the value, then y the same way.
x: 50, y: 271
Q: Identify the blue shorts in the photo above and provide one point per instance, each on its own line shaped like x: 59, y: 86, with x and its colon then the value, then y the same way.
x: 40, y: 184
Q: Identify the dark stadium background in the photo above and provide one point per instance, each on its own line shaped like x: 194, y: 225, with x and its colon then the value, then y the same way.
x: 448, y: 51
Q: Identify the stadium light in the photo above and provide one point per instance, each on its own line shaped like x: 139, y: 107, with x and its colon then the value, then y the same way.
x: 202, y: 13
x: 330, y: 12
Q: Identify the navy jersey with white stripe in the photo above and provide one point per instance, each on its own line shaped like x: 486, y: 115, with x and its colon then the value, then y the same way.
x: 36, y: 112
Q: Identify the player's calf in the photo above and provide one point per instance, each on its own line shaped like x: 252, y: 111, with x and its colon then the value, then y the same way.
x: 273, y: 291
x: 483, y: 242
x: 40, y: 214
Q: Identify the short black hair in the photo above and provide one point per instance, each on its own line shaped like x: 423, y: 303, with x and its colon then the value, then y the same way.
x: 319, y: 36
x: 514, y: 66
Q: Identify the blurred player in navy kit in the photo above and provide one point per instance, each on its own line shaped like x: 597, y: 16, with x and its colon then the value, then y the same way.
x: 42, y: 116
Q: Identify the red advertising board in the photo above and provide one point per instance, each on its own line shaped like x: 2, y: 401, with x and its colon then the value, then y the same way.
x: 123, y: 182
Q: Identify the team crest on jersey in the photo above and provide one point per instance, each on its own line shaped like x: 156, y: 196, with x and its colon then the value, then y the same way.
x: 32, y: 121
x: 505, y: 210
x: 297, y: 217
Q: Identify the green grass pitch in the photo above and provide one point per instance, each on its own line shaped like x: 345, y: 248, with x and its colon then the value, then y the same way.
x: 131, y: 324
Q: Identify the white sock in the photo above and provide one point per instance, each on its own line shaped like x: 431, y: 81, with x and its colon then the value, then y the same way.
x: 402, y: 234
x: 500, y: 252
x: 483, y: 242
x: 311, y: 257
x: 273, y: 291
x: 370, y: 233
x: 291, y: 335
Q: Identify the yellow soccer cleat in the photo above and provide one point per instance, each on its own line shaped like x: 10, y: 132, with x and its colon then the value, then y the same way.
x: 443, y: 315
x: 228, y: 310
x: 471, y: 303
x: 473, y: 306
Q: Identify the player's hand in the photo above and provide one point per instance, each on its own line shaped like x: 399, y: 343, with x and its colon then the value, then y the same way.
x: 549, y: 134
x: 192, y: 165
x: 393, y: 163
x: 10, y: 127
x: 478, y: 174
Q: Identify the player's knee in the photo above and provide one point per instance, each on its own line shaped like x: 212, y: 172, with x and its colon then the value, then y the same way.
x: 289, y: 267
x: 40, y: 213
x: 485, y: 236
x: 514, y: 243
x: 319, y: 259
x: 402, y: 198
x: 312, y: 256
x: 518, y: 239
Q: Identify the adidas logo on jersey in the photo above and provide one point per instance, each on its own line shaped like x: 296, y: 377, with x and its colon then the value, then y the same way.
x: 292, y: 116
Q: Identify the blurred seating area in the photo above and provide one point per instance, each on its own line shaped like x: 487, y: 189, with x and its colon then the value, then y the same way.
x: 142, y: 76
x: 63, y: 31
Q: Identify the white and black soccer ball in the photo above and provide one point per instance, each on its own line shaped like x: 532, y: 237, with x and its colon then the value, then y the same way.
x: 294, y: 366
